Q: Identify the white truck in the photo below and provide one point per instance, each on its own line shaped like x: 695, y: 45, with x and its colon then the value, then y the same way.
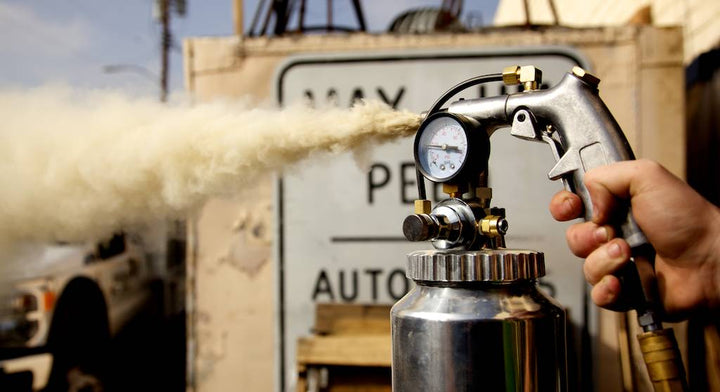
x: 60, y: 305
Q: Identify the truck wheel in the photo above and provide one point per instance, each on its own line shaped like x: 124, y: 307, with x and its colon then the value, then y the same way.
x: 79, y: 339
x: 79, y: 381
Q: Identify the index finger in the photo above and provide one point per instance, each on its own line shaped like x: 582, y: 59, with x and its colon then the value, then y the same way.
x: 566, y: 206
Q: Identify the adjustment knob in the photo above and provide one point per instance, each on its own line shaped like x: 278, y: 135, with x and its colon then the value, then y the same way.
x: 420, y: 227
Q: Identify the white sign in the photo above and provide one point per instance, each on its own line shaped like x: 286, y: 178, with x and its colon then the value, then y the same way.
x: 340, y: 217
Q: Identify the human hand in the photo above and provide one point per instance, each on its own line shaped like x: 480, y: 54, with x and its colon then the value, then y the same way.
x: 683, y: 227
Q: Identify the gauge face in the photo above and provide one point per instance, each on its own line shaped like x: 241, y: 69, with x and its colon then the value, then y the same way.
x: 442, y: 148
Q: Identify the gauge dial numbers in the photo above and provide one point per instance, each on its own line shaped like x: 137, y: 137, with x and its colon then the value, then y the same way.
x: 441, y: 147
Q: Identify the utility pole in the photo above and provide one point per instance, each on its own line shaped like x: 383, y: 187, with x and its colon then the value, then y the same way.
x: 165, y: 43
x: 238, y: 17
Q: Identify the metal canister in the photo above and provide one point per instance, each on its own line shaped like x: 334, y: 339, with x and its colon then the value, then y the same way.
x: 476, y: 321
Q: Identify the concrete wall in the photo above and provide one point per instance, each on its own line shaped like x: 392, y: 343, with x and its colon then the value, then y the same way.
x: 698, y: 18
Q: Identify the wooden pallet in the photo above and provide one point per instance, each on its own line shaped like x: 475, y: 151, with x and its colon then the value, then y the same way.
x: 350, y: 350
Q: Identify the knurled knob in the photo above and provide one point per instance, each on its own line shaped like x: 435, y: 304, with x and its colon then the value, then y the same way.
x: 485, y: 265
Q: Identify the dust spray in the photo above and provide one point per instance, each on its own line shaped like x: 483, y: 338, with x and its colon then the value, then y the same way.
x: 78, y: 166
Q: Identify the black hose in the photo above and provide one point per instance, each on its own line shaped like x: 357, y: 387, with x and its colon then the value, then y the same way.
x: 496, y: 77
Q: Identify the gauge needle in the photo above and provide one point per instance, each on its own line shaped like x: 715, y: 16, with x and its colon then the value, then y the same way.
x: 443, y: 147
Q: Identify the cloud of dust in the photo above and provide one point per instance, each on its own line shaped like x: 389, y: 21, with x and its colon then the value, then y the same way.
x: 78, y: 166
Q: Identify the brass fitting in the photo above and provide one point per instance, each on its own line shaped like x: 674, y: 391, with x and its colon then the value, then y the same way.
x: 527, y: 75
x: 422, y: 206
x: 483, y: 192
x: 453, y: 190
x: 493, y: 226
x: 586, y: 77
x: 485, y: 195
x: 663, y: 361
x: 511, y: 75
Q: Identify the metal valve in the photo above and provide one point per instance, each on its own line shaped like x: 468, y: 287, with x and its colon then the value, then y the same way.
x: 420, y: 227
x: 450, y: 224
x: 493, y: 226
x: 456, y: 223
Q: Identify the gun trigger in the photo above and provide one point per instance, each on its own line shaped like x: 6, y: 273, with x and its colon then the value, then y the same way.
x: 524, y: 127
x: 557, y: 151
x: 568, y: 163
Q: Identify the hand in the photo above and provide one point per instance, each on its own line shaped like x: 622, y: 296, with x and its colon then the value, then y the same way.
x: 683, y: 227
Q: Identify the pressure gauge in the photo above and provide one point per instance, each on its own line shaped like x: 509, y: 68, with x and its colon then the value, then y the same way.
x: 446, y: 146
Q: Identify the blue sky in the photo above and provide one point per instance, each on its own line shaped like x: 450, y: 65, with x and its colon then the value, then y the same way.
x: 72, y: 41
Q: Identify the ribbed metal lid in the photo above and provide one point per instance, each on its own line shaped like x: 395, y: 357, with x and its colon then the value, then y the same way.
x: 486, y: 265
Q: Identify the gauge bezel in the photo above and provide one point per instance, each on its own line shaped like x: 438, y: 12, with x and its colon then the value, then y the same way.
x: 470, y: 128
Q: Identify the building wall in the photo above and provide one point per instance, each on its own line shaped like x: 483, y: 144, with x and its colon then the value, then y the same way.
x: 698, y: 18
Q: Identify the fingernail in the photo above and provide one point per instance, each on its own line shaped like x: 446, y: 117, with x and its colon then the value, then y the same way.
x: 614, y: 250
x: 601, y: 234
x: 606, y: 287
x: 567, y: 206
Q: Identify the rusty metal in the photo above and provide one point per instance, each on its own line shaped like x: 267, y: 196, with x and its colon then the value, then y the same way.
x: 281, y: 12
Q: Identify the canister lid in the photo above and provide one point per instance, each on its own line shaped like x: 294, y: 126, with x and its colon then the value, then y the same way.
x: 486, y: 265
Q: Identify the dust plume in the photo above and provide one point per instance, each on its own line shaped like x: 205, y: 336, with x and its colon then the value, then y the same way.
x: 78, y: 166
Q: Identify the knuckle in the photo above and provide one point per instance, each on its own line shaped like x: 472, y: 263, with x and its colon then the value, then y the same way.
x: 590, y: 272
x: 650, y: 166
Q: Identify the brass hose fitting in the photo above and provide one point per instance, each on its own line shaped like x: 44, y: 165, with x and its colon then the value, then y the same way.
x: 493, y: 226
x: 663, y: 360
x: 423, y: 206
x: 527, y: 75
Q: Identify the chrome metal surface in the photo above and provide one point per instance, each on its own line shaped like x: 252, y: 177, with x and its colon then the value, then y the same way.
x: 499, y: 265
x: 587, y: 133
x: 586, y: 136
x: 456, y: 224
x: 478, y: 335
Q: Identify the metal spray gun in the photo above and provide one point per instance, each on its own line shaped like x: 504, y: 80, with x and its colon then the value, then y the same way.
x: 475, y: 319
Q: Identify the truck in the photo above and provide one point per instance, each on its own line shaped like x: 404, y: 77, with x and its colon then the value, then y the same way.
x: 60, y: 305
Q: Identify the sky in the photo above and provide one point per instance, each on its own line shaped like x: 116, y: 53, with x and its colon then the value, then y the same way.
x: 73, y: 42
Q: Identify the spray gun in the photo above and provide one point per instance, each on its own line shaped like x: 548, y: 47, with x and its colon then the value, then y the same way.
x: 452, y: 147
